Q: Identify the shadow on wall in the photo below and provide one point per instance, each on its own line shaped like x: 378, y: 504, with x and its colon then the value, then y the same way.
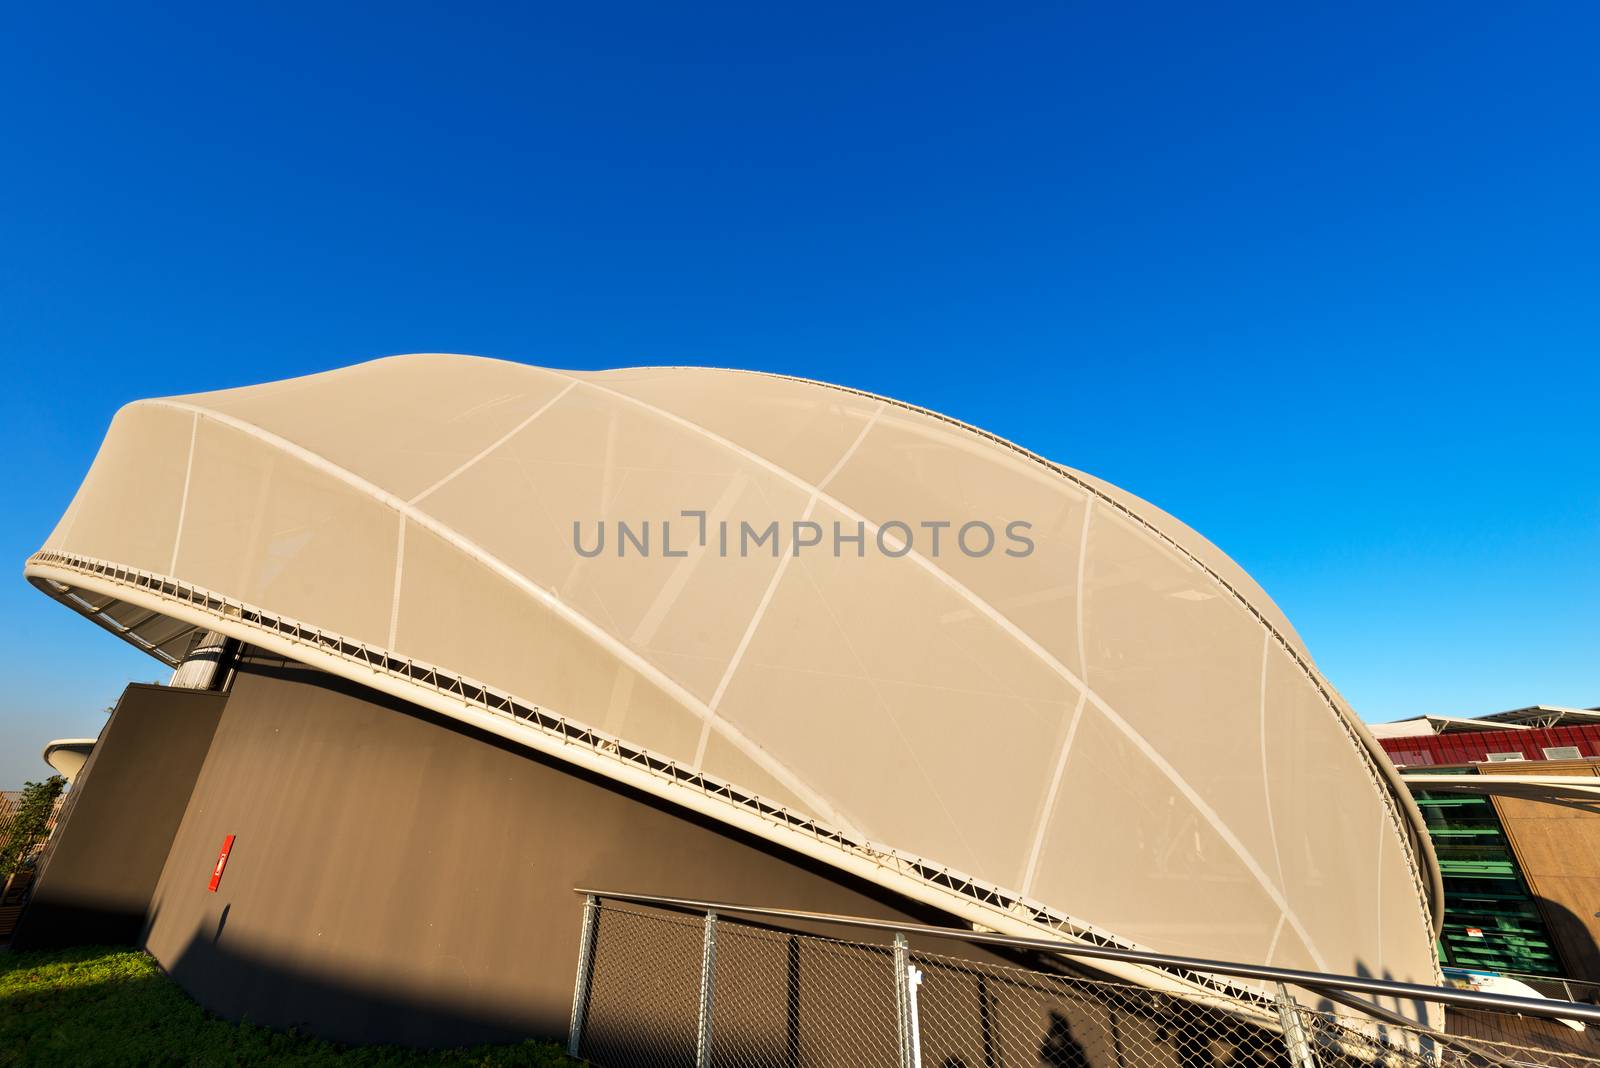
x: 1577, y: 953
x: 89, y: 924
x: 1414, y: 1011
x: 281, y: 997
x: 278, y: 995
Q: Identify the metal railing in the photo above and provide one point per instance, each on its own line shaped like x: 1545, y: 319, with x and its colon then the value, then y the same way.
x: 671, y: 981
x: 1556, y: 986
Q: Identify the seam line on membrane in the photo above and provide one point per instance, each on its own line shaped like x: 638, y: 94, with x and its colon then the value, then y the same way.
x: 744, y: 643
x: 183, y: 505
x: 1277, y: 933
x: 1046, y: 815
x: 399, y: 573
x: 1083, y: 567
x: 1378, y: 890
x: 1139, y: 741
x: 672, y: 589
x: 501, y: 440
x: 772, y: 589
x: 1050, y: 797
x: 1266, y: 782
x: 582, y: 623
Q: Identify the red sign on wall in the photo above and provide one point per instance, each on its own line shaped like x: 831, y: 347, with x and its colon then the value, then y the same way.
x: 222, y: 862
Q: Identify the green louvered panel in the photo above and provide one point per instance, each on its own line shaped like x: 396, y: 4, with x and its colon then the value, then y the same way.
x: 1484, y: 890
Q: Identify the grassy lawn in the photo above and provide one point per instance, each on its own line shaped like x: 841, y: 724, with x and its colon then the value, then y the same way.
x: 104, y: 1006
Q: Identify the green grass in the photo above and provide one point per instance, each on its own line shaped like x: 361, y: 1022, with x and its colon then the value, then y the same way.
x: 113, y: 1006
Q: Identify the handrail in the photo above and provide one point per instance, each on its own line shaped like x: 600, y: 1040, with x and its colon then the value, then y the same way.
x: 1566, y: 982
x: 1319, y: 982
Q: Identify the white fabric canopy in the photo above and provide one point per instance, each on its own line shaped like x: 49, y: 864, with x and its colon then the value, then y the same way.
x: 1119, y: 724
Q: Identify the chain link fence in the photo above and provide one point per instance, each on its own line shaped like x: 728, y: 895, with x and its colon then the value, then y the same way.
x: 663, y: 989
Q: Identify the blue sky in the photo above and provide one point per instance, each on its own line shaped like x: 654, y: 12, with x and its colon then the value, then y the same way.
x: 1324, y: 284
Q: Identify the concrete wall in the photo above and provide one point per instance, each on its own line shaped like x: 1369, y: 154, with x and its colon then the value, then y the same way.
x: 105, y: 859
x: 396, y: 877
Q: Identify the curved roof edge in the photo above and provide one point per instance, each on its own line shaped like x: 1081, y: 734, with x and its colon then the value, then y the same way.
x: 67, y: 756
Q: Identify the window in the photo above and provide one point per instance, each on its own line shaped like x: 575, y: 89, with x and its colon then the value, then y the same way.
x: 1563, y: 752
x: 1499, y: 758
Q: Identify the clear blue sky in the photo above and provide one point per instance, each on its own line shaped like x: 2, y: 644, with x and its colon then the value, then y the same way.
x: 1324, y: 284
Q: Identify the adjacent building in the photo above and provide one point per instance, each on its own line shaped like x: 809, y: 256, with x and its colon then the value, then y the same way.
x: 1511, y: 803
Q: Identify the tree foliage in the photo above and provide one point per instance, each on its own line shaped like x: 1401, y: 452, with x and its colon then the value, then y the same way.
x: 30, y: 823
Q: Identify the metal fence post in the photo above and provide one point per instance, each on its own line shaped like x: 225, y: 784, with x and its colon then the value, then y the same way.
x: 708, y: 983
x: 580, y: 990
x: 913, y: 981
x: 1295, y: 1038
x: 906, y: 980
